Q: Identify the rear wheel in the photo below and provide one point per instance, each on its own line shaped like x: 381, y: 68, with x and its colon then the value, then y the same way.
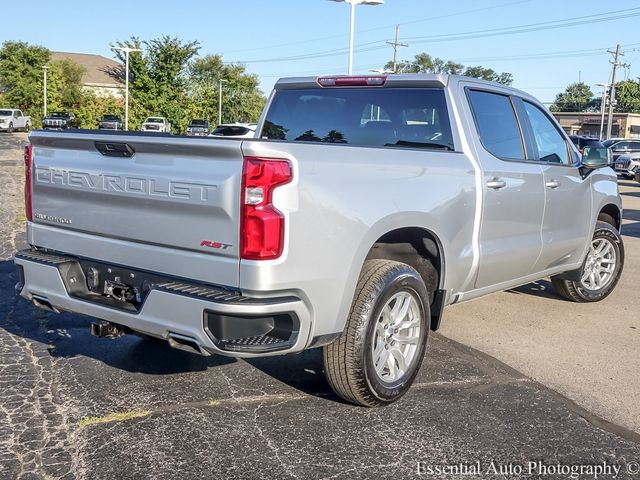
x: 601, y: 269
x: 378, y: 355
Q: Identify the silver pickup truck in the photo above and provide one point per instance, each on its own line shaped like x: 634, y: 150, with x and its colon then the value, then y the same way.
x: 362, y: 208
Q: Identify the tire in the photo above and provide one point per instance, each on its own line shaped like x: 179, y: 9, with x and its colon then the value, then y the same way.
x: 10, y: 129
x: 612, y: 252
x: 349, y: 362
x: 27, y: 127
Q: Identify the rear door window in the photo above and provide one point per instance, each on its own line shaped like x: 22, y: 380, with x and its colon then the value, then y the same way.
x: 375, y: 117
x: 497, y: 124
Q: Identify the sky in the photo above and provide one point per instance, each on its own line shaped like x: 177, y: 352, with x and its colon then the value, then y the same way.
x: 545, y: 44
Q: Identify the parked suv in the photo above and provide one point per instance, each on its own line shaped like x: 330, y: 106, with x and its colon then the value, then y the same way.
x: 156, y: 124
x: 239, y: 130
x: 624, y: 147
x: 362, y: 208
x: 581, y: 141
x: 110, y: 122
x: 60, y: 121
x: 628, y: 165
x: 198, y: 128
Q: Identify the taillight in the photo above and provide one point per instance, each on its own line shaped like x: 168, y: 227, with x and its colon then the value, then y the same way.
x: 369, y: 81
x: 262, y: 225
x: 28, y: 157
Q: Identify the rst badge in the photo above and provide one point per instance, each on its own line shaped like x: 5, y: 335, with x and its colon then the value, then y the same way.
x: 215, y: 245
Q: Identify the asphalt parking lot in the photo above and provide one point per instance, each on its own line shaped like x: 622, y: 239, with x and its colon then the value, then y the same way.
x: 74, y: 406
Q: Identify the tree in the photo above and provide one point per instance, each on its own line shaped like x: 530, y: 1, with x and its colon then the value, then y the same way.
x: 577, y: 97
x: 158, y: 79
x: 93, y: 106
x: 242, y: 100
x: 64, y: 85
x: 628, y: 96
x: 21, y: 76
x: 425, y: 63
x: 489, y: 74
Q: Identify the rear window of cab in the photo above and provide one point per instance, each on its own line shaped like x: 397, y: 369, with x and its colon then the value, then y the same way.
x: 373, y: 117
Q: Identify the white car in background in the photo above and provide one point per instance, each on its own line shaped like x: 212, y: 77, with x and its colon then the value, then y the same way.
x: 238, y: 130
x: 12, y: 119
x: 628, y: 165
x: 156, y: 124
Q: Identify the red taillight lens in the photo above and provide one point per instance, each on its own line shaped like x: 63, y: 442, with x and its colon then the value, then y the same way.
x: 262, y: 225
x: 28, y: 155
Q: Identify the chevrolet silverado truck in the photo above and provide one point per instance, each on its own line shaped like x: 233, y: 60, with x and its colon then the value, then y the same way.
x: 362, y: 208
x: 12, y: 119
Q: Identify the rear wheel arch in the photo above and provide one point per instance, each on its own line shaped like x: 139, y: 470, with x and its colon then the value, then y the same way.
x: 417, y: 247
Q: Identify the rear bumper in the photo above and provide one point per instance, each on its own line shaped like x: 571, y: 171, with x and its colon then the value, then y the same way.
x: 217, y: 321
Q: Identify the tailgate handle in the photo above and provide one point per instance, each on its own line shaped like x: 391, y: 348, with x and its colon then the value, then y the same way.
x: 115, y: 149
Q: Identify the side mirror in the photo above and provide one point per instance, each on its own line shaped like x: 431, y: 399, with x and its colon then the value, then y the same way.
x: 596, y: 157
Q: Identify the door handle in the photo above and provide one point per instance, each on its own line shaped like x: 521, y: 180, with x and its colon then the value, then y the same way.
x: 496, y: 184
x: 553, y: 184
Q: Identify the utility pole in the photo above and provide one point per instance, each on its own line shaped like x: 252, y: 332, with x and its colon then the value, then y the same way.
x: 221, y: 82
x: 44, y: 89
x: 612, y: 92
x: 396, y: 44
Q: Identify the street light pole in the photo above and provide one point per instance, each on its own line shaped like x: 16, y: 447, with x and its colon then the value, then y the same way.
x: 221, y: 82
x: 127, y: 51
x: 353, y: 4
x: 605, y: 87
x: 44, y: 89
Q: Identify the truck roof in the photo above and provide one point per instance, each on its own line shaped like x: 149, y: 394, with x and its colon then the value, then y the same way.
x: 395, y: 80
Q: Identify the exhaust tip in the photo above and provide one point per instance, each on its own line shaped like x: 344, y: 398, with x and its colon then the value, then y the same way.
x: 188, y: 344
x: 43, y: 303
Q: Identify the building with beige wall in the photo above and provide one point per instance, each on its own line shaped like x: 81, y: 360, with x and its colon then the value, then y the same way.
x: 98, y: 72
x: 626, y: 125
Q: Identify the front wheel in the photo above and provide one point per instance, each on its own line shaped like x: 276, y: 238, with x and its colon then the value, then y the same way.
x: 378, y: 355
x: 27, y: 127
x: 10, y: 129
x: 601, y: 269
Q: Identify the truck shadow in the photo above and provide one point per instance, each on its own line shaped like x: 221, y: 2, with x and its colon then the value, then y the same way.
x: 67, y: 335
x: 540, y: 288
x: 632, y: 227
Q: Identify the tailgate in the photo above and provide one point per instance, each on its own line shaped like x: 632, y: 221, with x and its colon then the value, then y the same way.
x: 174, y: 202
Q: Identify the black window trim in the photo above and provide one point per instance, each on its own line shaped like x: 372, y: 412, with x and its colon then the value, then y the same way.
x: 509, y: 97
x: 530, y: 147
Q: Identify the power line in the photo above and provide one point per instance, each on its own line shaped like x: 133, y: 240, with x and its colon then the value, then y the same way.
x: 422, y: 20
x: 532, y: 27
x: 553, y: 24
